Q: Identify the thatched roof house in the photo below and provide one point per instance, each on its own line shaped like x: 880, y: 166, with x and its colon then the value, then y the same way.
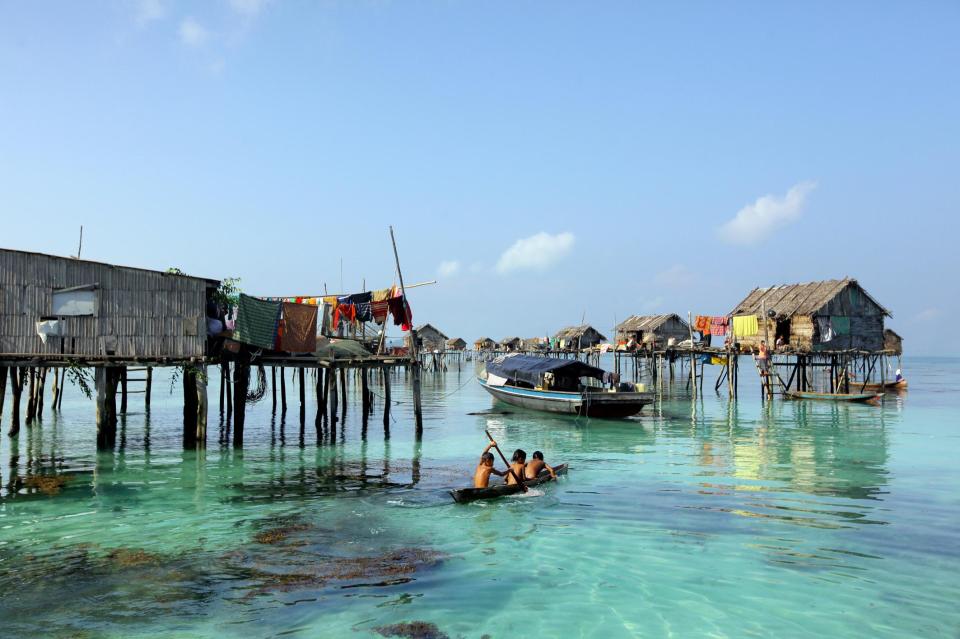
x: 653, y: 329
x: 892, y: 342
x: 429, y: 338
x: 536, y: 344
x: 578, y: 337
x: 510, y: 344
x: 96, y: 311
x: 456, y: 344
x: 484, y: 344
x: 831, y: 315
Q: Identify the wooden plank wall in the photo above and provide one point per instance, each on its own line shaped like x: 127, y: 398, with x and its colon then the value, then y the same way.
x: 139, y: 313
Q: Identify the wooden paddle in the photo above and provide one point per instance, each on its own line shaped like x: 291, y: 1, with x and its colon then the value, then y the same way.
x: 509, y: 467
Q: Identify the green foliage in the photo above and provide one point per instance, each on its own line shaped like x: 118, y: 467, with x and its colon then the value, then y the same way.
x: 173, y: 270
x: 80, y: 376
x: 178, y: 373
x: 228, y: 293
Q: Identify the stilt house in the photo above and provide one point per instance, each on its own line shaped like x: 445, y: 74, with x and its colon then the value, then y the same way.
x: 655, y: 330
x: 430, y: 339
x: 832, y: 315
x: 573, y: 338
x: 60, y: 307
x: 484, y: 344
x: 456, y: 344
x: 510, y: 344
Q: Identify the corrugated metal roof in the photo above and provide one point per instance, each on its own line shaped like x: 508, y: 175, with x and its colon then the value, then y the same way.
x: 788, y: 300
x: 74, y: 260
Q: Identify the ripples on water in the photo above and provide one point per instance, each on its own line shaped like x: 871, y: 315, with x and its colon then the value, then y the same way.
x: 699, y: 517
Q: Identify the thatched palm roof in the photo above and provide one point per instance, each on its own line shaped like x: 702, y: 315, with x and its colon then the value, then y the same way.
x: 430, y: 327
x: 576, y: 332
x: 645, y: 323
x: 789, y: 300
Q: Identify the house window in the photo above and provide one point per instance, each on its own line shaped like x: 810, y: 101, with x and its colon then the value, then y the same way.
x: 76, y: 301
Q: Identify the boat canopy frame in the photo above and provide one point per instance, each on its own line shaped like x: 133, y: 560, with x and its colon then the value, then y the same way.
x: 530, y: 368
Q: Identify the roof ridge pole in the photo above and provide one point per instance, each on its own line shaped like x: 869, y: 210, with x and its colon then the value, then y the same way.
x: 414, y: 355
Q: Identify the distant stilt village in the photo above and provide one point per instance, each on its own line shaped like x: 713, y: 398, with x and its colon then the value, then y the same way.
x: 66, y: 318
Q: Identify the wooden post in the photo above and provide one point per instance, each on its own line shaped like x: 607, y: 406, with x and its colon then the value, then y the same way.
x: 223, y: 388
x: 123, y: 390
x: 386, y: 402
x: 188, y: 379
x: 32, y: 396
x: 16, y: 391
x: 321, y: 405
x: 41, y: 386
x: 147, y: 389
x: 283, y: 392
x: 228, y: 380
x: 414, y: 359
x: 201, y: 433
x: 63, y: 387
x: 105, y: 379
x: 273, y: 386
x: 54, y: 391
x: 3, y: 390
x: 365, y: 391
x: 303, y: 403
x: 240, y: 383
x: 343, y: 392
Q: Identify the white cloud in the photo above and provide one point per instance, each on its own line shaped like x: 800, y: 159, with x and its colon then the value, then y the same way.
x: 150, y: 10
x: 756, y: 222
x: 676, y: 276
x: 192, y: 33
x: 449, y: 268
x: 536, y: 252
x: 248, y: 8
x: 927, y: 315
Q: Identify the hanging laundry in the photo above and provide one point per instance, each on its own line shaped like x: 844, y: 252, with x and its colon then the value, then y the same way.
x: 718, y: 326
x: 826, y: 329
x: 379, y: 310
x: 361, y: 298
x: 364, y: 311
x: 257, y: 321
x: 401, y: 311
x: 299, y: 328
x: 745, y: 326
x: 718, y: 361
x: 344, y: 313
x: 840, y: 325
x: 381, y: 295
x: 701, y: 324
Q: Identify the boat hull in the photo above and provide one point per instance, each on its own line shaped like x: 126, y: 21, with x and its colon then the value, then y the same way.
x: 604, y: 405
x: 467, y: 495
x: 878, y: 387
x: 835, y: 397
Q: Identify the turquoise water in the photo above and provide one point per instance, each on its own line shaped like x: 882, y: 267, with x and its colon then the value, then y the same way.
x: 699, y: 518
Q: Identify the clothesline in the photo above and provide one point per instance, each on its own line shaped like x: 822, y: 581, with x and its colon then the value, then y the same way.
x: 279, y: 297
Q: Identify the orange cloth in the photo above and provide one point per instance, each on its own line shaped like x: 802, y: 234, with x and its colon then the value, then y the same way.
x: 702, y: 324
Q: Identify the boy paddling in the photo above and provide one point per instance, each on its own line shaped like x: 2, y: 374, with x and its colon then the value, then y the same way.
x: 481, y: 477
x: 534, y: 466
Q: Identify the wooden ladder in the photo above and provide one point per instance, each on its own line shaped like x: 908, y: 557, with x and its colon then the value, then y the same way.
x: 767, y: 378
x: 147, y: 384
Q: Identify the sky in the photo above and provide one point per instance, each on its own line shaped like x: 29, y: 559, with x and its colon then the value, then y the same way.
x: 545, y: 162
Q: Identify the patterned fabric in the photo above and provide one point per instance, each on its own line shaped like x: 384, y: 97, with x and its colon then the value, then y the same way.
x: 379, y: 310
x: 299, y: 328
x: 364, y: 311
x: 701, y: 324
x: 257, y: 321
x: 718, y: 325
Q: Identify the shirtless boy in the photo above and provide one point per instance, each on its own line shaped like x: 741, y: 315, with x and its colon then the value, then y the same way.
x: 517, y: 463
x: 481, y: 477
x: 537, y: 464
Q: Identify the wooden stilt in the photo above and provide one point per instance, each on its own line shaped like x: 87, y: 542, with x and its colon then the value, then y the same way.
x: 318, y: 422
x: 228, y: 380
x: 283, y: 392
x: 343, y: 392
x: 63, y: 387
x: 105, y: 380
x: 3, y: 391
x: 240, y: 383
x: 273, y: 387
x: 303, y: 403
x: 123, y: 390
x: 32, y: 396
x: 188, y: 380
x: 54, y: 391
x: 16, y: 391
x: 41, y: 386
x: 386, y: 403
x: 148, y: 389
x: 201, y: 433
x: 223, y: 388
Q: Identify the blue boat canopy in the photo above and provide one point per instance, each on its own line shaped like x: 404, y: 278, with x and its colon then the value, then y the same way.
x: 530, y: 369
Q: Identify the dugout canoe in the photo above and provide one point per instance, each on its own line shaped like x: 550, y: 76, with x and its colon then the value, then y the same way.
x: 466, y: 495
